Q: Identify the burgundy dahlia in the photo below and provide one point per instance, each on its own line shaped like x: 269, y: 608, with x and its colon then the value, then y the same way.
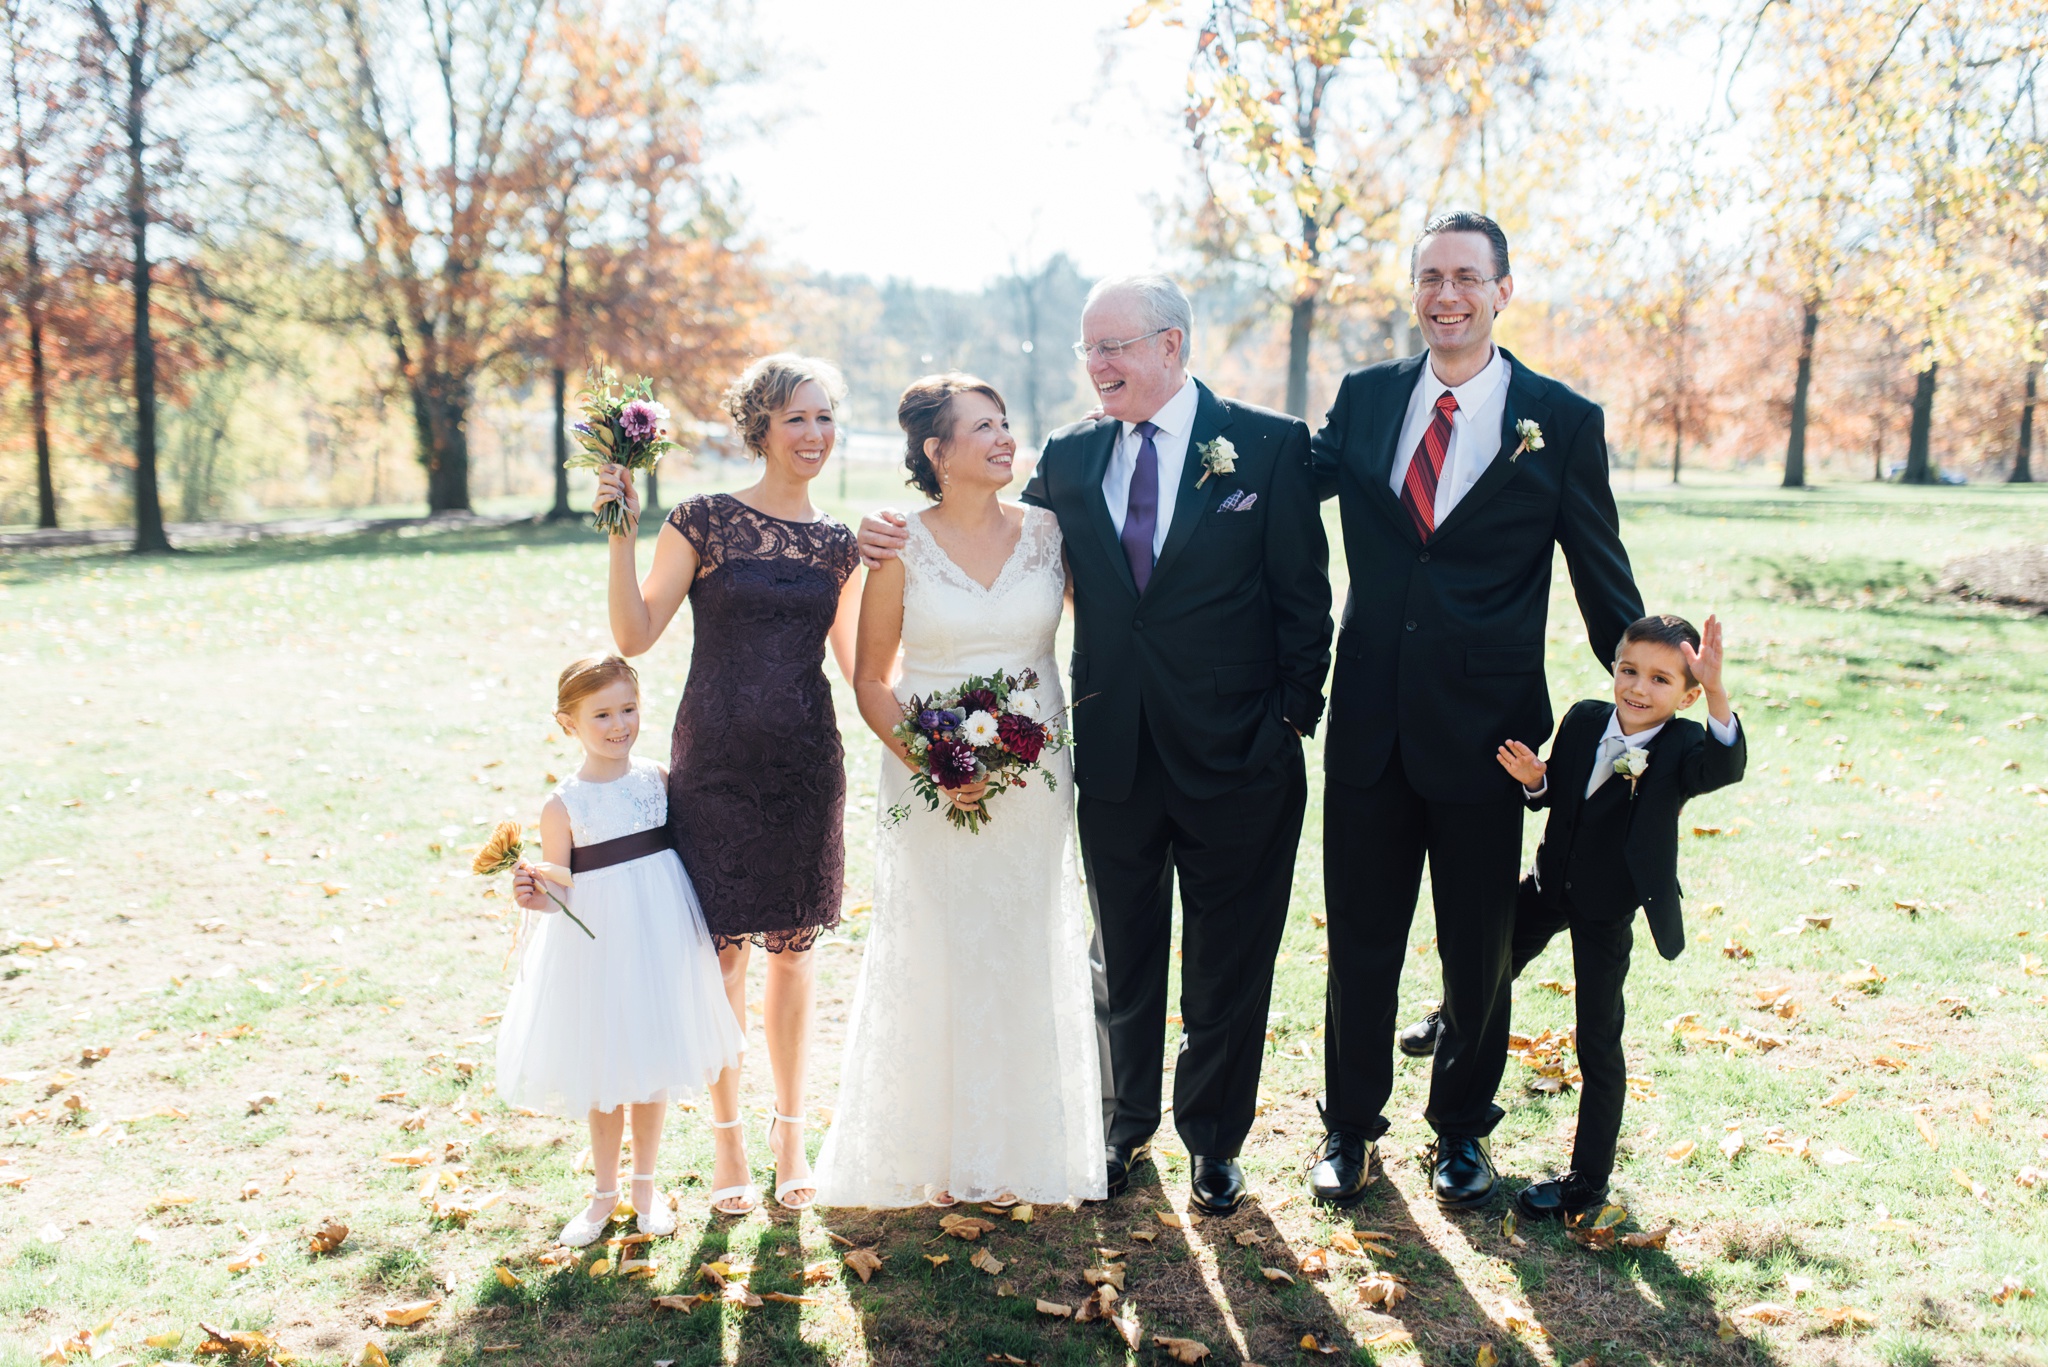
x: 952, y: 763
x: 980, y: 700
x: 1021, y: 736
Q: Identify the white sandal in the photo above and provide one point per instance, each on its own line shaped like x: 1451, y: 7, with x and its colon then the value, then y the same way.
x: 750, y: 1193
x: 808, y: 1182
x: 581, y: 1232
x: 659, y: 1220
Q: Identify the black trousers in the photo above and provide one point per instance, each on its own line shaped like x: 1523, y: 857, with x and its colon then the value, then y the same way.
x: 1374, y: 841
x: 1600, y: 950
x: 1234, y: 858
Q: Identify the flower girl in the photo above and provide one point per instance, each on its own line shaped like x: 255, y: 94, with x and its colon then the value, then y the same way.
x: 627, y: 1006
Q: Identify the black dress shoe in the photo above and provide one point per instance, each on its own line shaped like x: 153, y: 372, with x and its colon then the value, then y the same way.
x: 1463, y: 1175
x: 1568, y: 1198
x: 1346, y: 1164
x: 1121, y: 1158
x: 1419, y: 1039
x: 1219, y: 1185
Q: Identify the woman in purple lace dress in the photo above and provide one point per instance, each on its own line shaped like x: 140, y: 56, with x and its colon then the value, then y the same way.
x: 757, y: 779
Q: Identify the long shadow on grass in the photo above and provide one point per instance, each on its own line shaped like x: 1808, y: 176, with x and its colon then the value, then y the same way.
x: 1622, y: 1304
x: 1271, y: 1313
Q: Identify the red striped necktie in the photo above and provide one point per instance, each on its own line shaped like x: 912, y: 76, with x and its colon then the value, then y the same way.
x: 1418, y: 490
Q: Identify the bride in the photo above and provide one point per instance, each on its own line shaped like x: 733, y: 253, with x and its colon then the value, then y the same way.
x: 971, y: 1069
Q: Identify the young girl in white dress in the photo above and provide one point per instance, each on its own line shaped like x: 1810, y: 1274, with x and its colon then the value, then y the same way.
x: 633, y: 1009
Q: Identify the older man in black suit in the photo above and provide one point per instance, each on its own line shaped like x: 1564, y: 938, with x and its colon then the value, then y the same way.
x: 1457, y: 473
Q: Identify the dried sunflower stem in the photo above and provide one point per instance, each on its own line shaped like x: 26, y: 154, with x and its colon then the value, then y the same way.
x: 566, y: 912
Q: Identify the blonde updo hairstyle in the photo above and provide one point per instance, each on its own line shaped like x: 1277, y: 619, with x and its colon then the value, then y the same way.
x: 765, y: 389
x: 589, y: 675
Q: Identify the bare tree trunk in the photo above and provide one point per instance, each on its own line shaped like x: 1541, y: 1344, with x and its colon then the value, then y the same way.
x: 38, y: 390
x: 1300, y: 326
x: 149, y: 513
x: 441, y: 417
x: 2023, y: 463
x: 1919, y: 463
x: 561, y: 512
x: 1795, y: 443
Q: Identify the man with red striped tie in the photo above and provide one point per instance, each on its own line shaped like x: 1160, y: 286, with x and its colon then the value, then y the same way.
x: 1456, y: 473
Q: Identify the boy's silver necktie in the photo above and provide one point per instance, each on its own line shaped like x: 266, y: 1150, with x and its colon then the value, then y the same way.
x: 1603, y: 768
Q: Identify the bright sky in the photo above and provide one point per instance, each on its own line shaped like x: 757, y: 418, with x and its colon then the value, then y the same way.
x: 941, y: 141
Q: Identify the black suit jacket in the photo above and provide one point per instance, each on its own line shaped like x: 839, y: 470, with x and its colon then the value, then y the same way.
x: 1227, y: 648
x: 1441, y: 649
x: 1684, y: 761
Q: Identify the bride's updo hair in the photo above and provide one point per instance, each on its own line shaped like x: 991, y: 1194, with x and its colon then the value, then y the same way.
x: 926, y: 411
x: 765, y: 389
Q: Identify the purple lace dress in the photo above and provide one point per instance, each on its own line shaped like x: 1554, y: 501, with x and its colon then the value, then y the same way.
x: 757, y: 777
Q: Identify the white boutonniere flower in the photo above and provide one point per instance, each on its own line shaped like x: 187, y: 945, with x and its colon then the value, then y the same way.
x: 1632, y: 765
x: 1531, y: 433
x: 1219, y: 457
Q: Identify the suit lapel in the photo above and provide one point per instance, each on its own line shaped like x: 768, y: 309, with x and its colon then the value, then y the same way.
x: 1101, y: 444
x: 1581, y: 746
x: 1391, y: 414
x: 1211, y: 418
x: 1524, y: 400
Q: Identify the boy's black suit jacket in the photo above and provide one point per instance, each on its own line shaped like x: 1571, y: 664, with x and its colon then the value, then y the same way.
x: 1685, y: 761
x: 1227, y: 648
x: 1441, y: 647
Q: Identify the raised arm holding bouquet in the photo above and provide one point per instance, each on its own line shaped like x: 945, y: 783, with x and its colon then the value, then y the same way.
x: 622, y: 425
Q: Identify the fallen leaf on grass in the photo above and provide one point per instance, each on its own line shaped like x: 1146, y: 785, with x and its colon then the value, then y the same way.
x: 418, y: 1158
x: 863, y: 1262
x: 785, y: 1298
x: 685, y: 1304
x: 1246, y: 1239
x: 1731, y: 1144
x: 600, y: 1267
x: 1840, y: 1098
x: 1023, y: 1214
x: 2029, y: 1177
x: 1126, y: 1326
x: 1648, y: 1238
x: 1314, y: 1263
x: 1680, y: 1152
x: 1144, y: 1236
x: 1736, y: 950
x: 1111, y: 1275
x: 167, y: 1199
x: 1383, y: 1289
x: 1842, y: 1318
x: 817, y: 1274
x: 1055, y: 1309
x: 1173, y: 1219
x: 1309, y: 1344
x: 1866, y: 979
x: 1097, y: 1306
x: 1181, y: 1350
x: 232, y: 1342
x: 1274, y: 1274
x: 986, y: 1261
x: 1486, y: 1357
x: 2012, y: 1288
x: 966, y: 1226
x: 327, y: 1238
x: 1926, y: 1129
x: 247, y: 1259
x: 1765, y: 1312
x: 170, y: 1339
x: 506, y: 1276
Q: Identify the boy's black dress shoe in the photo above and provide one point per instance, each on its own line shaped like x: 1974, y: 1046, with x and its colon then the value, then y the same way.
x: 1419, y: 1039
x: 1121, y: 1158
x: 1218, y: 1185
x: 1346, y: 1164
x: 1463, y: 1175
x: 1567, y: 1198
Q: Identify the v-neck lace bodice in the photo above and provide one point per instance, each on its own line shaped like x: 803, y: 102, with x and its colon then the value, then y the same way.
x: 954, y: 627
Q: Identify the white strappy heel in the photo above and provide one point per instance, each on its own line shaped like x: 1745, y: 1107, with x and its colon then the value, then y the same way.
x: 582, y: 1231
x: 808, y: 1182
x: 658, y: 1219
x: 750, y: 1193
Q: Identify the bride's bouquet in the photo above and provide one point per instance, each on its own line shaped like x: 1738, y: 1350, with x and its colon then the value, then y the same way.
x: 989, y: 728
x: 622, y: 425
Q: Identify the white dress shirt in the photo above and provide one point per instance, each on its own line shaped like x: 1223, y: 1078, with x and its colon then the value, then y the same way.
x: 1176, y: 423
x: 1639, y: 741
x: 1475, y: 430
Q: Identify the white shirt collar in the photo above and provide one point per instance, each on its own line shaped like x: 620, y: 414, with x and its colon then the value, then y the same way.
x: 1176, y: 416
x: 1638, y: 741
x: 1474, y: 391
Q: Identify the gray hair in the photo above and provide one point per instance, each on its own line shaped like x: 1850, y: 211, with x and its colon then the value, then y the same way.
x: 1164, y: 302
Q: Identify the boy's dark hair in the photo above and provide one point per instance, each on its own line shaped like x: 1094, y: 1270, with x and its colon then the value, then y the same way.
x: 1665, y: 630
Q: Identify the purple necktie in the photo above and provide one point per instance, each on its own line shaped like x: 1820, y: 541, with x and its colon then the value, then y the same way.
x: 1141, y: 514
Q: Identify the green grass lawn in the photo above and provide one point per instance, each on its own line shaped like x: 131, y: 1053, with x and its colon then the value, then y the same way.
x: 239, y: 792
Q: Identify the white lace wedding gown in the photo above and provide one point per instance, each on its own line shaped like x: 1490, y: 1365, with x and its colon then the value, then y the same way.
x: 971, y: 1063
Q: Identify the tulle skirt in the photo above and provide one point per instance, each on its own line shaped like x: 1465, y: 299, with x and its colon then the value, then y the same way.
x: 637, y: 1014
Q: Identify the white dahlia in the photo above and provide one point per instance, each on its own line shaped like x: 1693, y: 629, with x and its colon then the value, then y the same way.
x: 979, y: 729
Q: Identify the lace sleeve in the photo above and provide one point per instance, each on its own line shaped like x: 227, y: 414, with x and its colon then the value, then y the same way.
x: 843, y: 556
x: 695, y: 519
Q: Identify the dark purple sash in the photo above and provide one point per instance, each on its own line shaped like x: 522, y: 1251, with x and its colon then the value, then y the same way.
x: 605, y: 853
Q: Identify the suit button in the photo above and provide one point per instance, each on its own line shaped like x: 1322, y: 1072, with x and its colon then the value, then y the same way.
x: 1138, y: 624
x: 1424, y: 557
x: 1567, y: 885
x: 1411, y: 625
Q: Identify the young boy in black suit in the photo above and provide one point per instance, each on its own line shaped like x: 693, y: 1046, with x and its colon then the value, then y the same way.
x: 1618, y: 776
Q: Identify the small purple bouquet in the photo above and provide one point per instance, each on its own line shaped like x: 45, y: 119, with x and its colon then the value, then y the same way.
x: 991, y: 728
x: 622, y: 425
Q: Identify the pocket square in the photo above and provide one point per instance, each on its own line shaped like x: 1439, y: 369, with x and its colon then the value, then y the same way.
x: 1239, y: 502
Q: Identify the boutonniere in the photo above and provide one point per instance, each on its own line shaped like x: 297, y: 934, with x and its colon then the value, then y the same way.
x: 1219, y: 457
x: 1531, y: 433
x: 1632, y: 765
